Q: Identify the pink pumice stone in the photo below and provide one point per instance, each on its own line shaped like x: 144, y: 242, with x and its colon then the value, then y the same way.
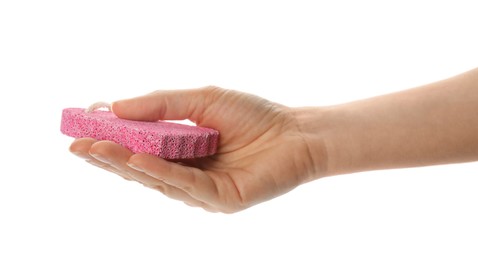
x: 163, y: 139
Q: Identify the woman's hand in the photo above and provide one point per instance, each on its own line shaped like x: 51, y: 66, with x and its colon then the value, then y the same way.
x: 262, y: 152
x: 267, y: 149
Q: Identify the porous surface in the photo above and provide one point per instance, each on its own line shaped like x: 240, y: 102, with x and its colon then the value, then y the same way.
x: 164, y: 139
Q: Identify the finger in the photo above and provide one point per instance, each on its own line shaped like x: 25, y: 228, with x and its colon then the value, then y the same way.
x: 113, y: 155
x: 81, y: 147
x: 204, y: 206
x: 116, y: 156
x: 106, y: 149
x: 166, y: 105
x: 109, y: 168
x: 178, y: 194
x: 191, y: 180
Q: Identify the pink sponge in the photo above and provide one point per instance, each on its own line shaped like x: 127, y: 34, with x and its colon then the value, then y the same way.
x: 163, y: 139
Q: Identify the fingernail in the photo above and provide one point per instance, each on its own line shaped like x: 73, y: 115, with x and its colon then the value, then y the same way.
x: 79, y: 154
x: 135, y: 167
x: 94, y: 163
x: 99, y: 157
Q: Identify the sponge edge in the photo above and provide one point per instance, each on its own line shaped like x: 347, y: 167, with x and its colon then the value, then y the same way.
x: 163, y: 139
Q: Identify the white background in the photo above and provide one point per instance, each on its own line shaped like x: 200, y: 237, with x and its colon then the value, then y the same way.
x: 57, y: 54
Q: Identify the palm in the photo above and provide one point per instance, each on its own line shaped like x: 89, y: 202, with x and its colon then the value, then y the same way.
x: 252, y: 163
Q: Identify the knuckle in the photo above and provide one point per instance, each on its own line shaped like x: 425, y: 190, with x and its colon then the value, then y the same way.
x: 211, y: 88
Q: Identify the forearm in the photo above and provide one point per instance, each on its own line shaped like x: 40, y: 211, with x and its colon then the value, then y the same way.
x: 433, y: 124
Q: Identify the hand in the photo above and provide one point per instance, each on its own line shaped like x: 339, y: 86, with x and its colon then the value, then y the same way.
x: 262, y: 152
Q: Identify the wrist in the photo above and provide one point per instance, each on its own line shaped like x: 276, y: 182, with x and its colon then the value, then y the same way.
x: 328, y: 133
x: 313, y: 127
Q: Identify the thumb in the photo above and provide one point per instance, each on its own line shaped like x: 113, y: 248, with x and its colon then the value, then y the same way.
x: 166, y: 105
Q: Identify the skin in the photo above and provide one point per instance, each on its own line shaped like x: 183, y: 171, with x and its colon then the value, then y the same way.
x: 267, y: 149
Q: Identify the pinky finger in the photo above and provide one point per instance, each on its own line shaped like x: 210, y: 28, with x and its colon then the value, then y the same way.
x: 109, y: 168
x: 203, y: 206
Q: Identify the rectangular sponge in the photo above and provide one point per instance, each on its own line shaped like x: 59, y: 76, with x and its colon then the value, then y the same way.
x: 164, y: 139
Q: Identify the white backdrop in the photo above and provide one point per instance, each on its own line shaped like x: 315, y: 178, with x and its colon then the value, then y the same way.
x: 57, y: 54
